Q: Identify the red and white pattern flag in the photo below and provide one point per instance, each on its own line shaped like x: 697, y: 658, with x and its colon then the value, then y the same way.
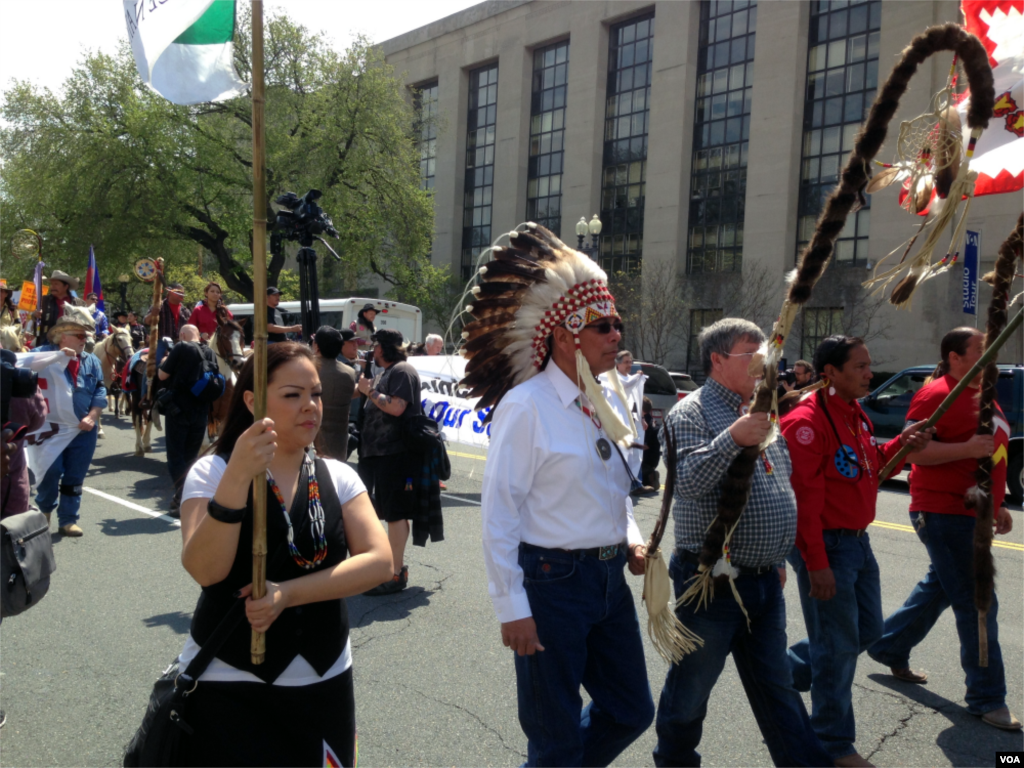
x: 999, y: 154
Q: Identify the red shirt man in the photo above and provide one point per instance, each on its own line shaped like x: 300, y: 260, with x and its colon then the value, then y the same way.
x: 836, y: 461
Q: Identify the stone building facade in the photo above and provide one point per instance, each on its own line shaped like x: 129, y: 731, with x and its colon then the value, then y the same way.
x: 705, y: 136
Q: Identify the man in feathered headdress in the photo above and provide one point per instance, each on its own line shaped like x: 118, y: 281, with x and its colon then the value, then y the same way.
x: 558, y: 526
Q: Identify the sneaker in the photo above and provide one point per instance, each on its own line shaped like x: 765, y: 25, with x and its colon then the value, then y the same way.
x: 397, y: 583
x: 70, y: 530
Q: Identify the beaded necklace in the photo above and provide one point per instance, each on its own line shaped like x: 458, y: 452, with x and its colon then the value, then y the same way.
x: 316, y: 519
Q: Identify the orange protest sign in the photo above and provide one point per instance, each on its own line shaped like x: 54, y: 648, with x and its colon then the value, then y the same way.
x: 28, y: 295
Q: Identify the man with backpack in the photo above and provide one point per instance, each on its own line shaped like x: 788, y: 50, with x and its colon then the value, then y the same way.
x: 195, y: 383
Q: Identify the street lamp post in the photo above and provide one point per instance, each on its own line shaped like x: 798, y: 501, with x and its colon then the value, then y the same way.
x: 582, y: 230
x: 122, y: 287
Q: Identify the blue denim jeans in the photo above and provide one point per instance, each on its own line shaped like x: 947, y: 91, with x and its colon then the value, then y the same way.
x: 838, y: 630
x: 949, y: 582
x: 760, y: 656
x: 66, y: 476
x: 587, y: 623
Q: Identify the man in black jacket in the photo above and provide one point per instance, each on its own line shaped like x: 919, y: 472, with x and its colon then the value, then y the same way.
x: 187, y: 416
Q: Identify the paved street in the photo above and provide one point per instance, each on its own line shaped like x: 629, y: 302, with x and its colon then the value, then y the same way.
x: 434, y: 686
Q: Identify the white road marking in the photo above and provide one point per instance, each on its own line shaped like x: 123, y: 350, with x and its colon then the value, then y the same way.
x: 459, y: 498
x: 131, y: 505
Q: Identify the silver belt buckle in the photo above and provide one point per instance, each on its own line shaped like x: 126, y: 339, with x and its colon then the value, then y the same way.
x: 609, y: 552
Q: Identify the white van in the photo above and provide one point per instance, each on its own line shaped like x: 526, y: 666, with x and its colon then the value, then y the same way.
x: 341, y: 312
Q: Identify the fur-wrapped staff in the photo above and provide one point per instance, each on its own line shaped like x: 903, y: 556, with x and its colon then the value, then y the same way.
x: 979, y: 498
x: 669, y: 635
x: 845, y: 198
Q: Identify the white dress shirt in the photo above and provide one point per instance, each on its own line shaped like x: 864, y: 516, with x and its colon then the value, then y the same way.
x: 546, y: 484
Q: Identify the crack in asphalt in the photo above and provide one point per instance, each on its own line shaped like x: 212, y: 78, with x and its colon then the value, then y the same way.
x: 483, y: 724
x: 438, y: 586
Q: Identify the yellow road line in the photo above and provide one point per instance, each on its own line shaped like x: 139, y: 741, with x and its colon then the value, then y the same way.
x: 468, y: 455
x: 909, y: 528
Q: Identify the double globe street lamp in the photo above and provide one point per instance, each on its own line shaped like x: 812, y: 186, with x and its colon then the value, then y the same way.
x: 582, y: 229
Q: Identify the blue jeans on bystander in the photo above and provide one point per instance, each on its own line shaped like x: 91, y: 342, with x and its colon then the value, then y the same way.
x: 838, y: 630
x: 587, y: 623
x: 66, y: 476
x: 949, y: 582
x: 760, y: 656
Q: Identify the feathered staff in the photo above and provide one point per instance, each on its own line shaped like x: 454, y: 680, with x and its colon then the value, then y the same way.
x: 846, y: 197
x: 979, y: 498
x: 154, y: 329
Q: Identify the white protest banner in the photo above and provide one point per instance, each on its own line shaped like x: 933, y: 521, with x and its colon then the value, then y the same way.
x: 447, y: 404
x: 61, y: 426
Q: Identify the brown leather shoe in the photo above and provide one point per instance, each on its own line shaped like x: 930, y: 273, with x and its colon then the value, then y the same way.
x: 909, y: 675
x: 70, y: 530
x: 1001, y: 718
x: 853, y: 761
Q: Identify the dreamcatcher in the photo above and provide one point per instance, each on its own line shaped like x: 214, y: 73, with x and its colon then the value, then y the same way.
x: 934, y: 168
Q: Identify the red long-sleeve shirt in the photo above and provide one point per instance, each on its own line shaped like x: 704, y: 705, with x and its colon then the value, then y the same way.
x: 832, y: 490
x: 941, y: 487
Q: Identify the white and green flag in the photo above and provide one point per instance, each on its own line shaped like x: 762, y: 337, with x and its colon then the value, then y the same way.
x: 184, y: 49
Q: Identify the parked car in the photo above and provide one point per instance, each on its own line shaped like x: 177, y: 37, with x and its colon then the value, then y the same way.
x: 887, y: 406
x: 659, y: 387
x: 684, y: 383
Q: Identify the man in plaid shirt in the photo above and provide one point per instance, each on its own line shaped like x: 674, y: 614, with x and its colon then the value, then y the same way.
x: 710, y: 428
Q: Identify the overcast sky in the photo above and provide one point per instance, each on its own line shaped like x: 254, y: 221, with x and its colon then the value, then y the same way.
x: 42, y: 40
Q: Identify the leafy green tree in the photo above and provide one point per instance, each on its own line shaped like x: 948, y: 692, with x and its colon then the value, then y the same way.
x: 110, y: 163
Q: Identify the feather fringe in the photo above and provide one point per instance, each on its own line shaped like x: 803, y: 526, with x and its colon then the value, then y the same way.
x: 671, y: 639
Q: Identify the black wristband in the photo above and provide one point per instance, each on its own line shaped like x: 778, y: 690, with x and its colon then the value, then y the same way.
x: 223, y: 514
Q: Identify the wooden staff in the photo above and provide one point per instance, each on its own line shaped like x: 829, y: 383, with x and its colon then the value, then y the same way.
x: 990, y: 355
x: 258, y: 647
x: 154, y: 329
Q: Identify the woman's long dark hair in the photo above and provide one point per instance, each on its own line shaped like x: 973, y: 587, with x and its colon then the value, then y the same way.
x: 239, y: 416
x: 365, y: 321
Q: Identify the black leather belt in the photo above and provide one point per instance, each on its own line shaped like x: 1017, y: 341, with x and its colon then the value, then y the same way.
x: 858, y: 532
x: 601, y: 553
x: 693, y: 557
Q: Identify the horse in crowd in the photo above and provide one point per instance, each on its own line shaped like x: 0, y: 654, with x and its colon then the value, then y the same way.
x: 133, y: 380
x: 114, y: 351
x: 228, y: 344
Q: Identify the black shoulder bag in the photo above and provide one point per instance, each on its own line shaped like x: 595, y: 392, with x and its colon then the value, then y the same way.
x: 156, y: 741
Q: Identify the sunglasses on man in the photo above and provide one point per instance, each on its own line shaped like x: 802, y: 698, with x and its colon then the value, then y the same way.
x: 605, y: 327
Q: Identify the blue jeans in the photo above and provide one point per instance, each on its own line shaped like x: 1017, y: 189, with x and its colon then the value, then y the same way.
x: 587, y: 623
x: 949, y: 582
x: 760, y: 656
x: 838, y: 630
x: 66, y: 476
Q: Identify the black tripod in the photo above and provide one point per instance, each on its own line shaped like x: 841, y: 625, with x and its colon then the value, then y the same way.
x: 309, y: 292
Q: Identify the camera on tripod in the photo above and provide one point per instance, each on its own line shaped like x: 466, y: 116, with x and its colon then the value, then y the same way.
x: 14, y: 382
x: 302, y: 220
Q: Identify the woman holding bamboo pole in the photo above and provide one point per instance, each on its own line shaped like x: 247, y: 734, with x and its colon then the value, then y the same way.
x: 323, y: 542
x: 942, y: 474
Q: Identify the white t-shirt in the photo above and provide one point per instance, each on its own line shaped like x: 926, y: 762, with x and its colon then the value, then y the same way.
x: 201, y: 483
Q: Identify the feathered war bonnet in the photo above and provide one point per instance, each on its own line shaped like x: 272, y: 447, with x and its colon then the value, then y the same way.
x: 530, y: 288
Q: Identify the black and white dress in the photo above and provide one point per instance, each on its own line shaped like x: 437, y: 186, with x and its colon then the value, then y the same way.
x: 297, y: 708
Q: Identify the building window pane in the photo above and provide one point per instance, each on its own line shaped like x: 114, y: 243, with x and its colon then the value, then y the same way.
x: 842, y: 72
x: 625, y: 148
x: 479, y: 181
x: 722, y: 123
x: 819, y: 324
x: 543, y: 194
x: 699, y: 320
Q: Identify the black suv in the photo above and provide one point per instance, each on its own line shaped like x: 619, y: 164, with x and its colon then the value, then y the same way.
x: 887, y: 407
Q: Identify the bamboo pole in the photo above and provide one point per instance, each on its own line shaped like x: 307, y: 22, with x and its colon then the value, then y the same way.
x: 985, y: 359
x: 257, y: 648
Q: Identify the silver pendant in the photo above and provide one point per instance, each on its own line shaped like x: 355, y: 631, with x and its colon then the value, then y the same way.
x: 604, y: 448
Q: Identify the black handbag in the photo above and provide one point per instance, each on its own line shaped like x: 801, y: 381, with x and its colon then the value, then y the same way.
x: 156, y: 742
x: 26, y: 561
